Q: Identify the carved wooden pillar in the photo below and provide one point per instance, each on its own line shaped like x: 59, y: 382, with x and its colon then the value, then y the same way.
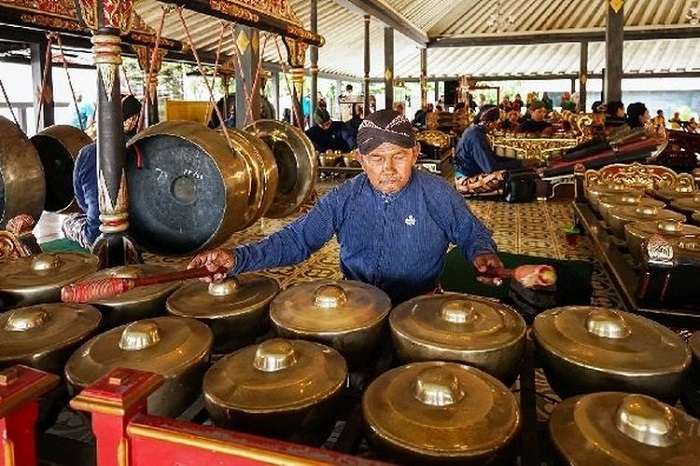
x: 150, y: 74
x: 107, y: 19
x: 613, y: 50
x: 296, y: 53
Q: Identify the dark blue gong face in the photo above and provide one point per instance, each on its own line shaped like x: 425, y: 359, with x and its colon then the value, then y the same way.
x: 177, y: 197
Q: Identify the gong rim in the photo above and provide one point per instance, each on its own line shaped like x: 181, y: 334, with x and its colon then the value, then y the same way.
x: 276, y: 133
x: 21, y: 175
x: 611, y: 341
x: 71, y: 140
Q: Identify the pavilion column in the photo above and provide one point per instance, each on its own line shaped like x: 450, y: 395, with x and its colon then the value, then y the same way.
x: 39, y: 67
x: 613, y: 50
x: 296, y: 55
x: 388, y: 67
x: 276, y: 94
x: 423, y: 77
x: 313, y: 55
x: 150, y: 64
x: 107, y: 19
x: 437, y: 91
x: 365, y: 79
x: 583, y: 76
x: 248, y: 43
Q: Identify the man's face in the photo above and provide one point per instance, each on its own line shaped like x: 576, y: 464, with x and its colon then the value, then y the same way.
x: 388, y: 167
x: 513, y: 116
x: 644, y: 118
x: 538, y: 114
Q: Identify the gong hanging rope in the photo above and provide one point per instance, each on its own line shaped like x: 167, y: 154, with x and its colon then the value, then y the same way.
x: 44, y: 79
x: 70, y: 82
x: 295, y: 110
x: 165, y: 10
x: 9, y: 105
x: 201, y: 71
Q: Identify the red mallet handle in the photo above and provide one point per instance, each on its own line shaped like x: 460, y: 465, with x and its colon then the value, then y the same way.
x: 93, y: 290
x: 527, y: 275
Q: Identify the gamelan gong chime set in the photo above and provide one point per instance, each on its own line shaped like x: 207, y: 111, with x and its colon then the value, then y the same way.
x: 284, y: 359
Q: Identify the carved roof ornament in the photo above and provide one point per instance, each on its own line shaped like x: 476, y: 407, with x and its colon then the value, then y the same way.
x: 280, y: 9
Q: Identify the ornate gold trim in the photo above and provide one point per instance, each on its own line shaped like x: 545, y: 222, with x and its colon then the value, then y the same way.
x: 51, y: 22
x: 107, y: 73
x: 227, y: 7
x: 651, y: 177
x: 123, y: 452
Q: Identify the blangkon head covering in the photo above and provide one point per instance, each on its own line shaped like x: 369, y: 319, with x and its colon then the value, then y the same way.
x: 385, y: 126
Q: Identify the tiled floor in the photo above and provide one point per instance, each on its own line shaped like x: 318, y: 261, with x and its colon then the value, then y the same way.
x: 535, y: 229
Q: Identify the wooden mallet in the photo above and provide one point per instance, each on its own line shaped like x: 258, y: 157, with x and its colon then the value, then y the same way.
x: 527, y: 275
x: 94, y: 290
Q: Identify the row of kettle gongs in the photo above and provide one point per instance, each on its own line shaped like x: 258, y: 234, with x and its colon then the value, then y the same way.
x: 347, y: 314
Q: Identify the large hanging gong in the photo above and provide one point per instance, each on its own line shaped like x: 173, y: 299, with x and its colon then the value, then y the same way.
x: 58, y: 147
x: 22, y: 189
x: 186, y: 190
x: 296, y: 164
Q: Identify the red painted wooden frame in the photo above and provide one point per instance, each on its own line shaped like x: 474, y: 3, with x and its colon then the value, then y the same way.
x: 126, y: 436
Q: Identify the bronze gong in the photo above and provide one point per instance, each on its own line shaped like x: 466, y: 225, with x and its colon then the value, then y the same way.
x: 22, y: 187
x: 440, y: 412
x: 39, y: 278
x: 236, y: 310
x: 174, y: 347
x: 462, y: 328
x: 623, y: 429
x: 58, y: 147
x: 276, y: 388
x: 45, y: 335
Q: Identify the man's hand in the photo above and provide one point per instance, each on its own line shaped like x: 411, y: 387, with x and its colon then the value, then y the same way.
x: 485, y: 262
x: 213, y: 260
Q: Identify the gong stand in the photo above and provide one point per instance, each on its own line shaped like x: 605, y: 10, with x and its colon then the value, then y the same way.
x: 150, y: 61
x: 108, y: 19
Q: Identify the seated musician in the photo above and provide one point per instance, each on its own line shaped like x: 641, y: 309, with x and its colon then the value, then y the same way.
x: 327, y: 134
x: 637, y: 115
x: 512, y: 121
x: 393, y: 222
x: 537, y: 123
x: 615, y: 114
x: 84, y: 227
x: 478, y: 170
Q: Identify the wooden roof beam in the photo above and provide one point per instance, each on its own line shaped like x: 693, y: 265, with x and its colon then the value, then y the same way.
x: 388, y: 16
x: 539, y: 37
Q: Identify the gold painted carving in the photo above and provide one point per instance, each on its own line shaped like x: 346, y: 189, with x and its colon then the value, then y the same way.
x: 108, y: 75
x: 51, y: 22
x: 651, y: 177
x: 278, y: 9
x: 616, y: 5
x: 230, y: 8
x: 534, y: 148
x: 388, y: 75
x: 113, y: 214
x: 117, y: 14
x: 296, y: 52
x: 242, y: 42
x: 11, y: 248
